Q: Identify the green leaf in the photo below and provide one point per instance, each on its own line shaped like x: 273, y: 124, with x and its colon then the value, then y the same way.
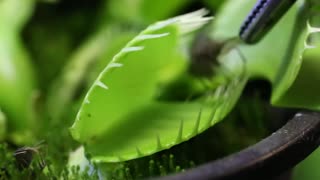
x: 161, y: 125
x: 2, y: 126
x: 286, y: 63
x: 300, y: 67
x: 307, y: 169
x: 15, y: 13
x: 127, y: 87
x: 82, y: 61
x: 16, y: 74
x: 113, y: 132
x: 157, y: 126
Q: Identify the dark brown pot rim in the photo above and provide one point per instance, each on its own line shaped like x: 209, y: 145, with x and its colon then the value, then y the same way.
x: 268, y: 158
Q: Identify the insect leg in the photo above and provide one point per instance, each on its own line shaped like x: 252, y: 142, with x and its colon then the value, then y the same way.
x: 244, y: 61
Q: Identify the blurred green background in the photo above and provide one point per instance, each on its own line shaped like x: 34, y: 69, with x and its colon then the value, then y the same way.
x: 44, y: 44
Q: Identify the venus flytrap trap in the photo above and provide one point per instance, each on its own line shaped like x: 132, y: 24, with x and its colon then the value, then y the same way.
x: 120, y: 119
x: 295, y: 67
x: 121, y: 101
x: 304, y: 64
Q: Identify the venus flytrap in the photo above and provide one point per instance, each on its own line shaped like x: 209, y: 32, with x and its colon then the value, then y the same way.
x: 300, y: 73
x: 120, y: 119
x: 121, y: 101
x: 162, y: 34
x: 302, y: 63
x: 65, y: 86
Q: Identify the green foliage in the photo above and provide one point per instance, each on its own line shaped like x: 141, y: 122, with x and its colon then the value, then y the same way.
x: 143, y: 103
x: 2, y: 126
x: 287, y: 64
x: 308, y: 168
x: 63, y: 89
x: 136, y: 106
x: 218, y: 141
x: 13, y: 19
x: 213, y: 4
x: 143, y: 11
x: 56, y: 31
x: 16, y: 73
x: 144, y: 126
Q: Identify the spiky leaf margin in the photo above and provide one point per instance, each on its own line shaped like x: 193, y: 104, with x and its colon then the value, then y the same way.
x: 138, y: 126
x: 75, y: 72
x: 159, y: 126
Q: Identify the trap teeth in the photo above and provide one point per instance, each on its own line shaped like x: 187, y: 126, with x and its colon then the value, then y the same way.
x: 312, y: 29
x: 180, y: 132
x: 159, y: 146
x: 308, y: 46
x: 139, y: 153
x: 197, y: 124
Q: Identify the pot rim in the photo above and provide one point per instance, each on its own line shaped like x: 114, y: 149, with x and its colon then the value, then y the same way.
x: 268, y: 158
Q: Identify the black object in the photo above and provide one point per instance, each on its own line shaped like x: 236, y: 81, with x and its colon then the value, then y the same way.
x: 25, y: 155
x: 262, y: 18
x: 267, y: 159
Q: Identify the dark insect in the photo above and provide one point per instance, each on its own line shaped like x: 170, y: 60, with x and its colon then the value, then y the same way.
x: 25, y: 155
x: 205, y: 53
